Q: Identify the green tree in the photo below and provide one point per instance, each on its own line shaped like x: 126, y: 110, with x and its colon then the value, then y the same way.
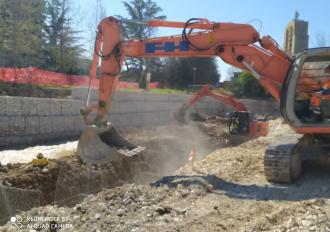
x: 62, y: 50
x: 187, y: 71
x: 140, y: 10
x: 246, y: 85
x: 21, y: 33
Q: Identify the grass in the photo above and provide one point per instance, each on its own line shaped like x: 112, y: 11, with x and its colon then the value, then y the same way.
x: 28, y: 90
x: 160, y: 91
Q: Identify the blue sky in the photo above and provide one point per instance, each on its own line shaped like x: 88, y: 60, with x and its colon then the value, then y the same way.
x: 274, y: 15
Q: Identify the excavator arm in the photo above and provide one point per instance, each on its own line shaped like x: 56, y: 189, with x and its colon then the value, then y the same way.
x: 219, y: 96
x: 235, y: 43
x: 206, y: 91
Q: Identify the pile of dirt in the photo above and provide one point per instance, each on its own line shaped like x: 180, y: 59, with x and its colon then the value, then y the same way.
x: 216, y: 128
x: 224, y: 191
x: 67, y: 180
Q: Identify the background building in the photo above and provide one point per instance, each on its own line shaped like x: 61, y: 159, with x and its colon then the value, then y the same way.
x: 296, y: 36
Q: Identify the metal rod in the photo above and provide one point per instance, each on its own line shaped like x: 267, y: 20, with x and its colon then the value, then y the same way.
x: 142, y: 22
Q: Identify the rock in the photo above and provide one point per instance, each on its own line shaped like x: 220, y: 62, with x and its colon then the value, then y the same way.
x: 185, y: 193
x: 97, y: 216
x: 120, y: 212
x: 127, y: 201
x: 163, y: 210
x: 181, y: 211
x: 81, y: 209
x: 306, y: 223
x: 45, y: 170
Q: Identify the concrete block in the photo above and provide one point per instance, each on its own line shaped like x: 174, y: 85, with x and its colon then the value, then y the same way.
x: 115, y: 119
x: 46, y: 124
x: 135, y: 119
x: 76, y: 107
x: 14, y: 141
x: 58, y: 124
x: 66, y: 107
x: 32, y: 125
x: 17, y: 125
x: 167, y: 106
x: 3, y: 106
x: 128, y: 107
x: 126, y: 96
x: 29, y: 106
x: 120, y: 96
x: 152, y: 106
x: 55, y: 107
x: 156, y: 97
x: 115, y: 107
x: 14, y: 106
x: 43, y: 106
x: 78, y: 123
x: 166, y: 117
x: 149, y: 118
x: 3, y: 141
x: 4, y: 126
x: 140, y: 97
x: 68, y: 123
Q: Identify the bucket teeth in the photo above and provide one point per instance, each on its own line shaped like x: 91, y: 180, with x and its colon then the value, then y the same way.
x: 103, y: 145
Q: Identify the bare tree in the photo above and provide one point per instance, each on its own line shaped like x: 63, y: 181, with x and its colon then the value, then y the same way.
x: 96, y: 15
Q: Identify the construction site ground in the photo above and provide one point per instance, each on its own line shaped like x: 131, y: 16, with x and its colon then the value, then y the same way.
x: 223, y: 190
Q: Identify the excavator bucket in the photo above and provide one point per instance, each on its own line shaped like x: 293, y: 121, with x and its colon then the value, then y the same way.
x: 102, y: 145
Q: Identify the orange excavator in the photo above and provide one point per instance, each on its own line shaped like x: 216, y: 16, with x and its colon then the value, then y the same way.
x: 240, y: 122
x: 290, y: 80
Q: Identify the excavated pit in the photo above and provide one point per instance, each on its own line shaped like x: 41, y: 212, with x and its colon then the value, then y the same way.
x: 66, y: 181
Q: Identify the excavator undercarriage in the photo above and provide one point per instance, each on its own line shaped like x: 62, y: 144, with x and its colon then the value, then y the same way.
x: 283, y: 160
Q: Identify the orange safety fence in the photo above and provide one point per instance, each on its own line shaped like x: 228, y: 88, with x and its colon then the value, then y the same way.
x: 42, y: 77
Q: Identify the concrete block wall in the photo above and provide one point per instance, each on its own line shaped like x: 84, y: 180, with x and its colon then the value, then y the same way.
x: 26, y: 121
x: 135, y: 109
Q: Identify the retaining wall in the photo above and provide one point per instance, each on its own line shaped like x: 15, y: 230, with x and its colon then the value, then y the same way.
x: 26, y: 121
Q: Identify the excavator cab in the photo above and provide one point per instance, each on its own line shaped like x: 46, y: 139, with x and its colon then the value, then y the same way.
x: 306, y: 92
x: 240, y: 123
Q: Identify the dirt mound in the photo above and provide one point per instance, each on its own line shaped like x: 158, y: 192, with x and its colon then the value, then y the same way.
x: 67, y: 181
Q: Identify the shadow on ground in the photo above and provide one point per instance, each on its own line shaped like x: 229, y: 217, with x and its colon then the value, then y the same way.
x: 314, y: 183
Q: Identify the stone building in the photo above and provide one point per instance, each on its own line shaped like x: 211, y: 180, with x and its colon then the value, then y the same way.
x: 296, y: 36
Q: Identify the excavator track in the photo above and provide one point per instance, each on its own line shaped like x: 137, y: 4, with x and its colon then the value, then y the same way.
x: 281, y: 162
